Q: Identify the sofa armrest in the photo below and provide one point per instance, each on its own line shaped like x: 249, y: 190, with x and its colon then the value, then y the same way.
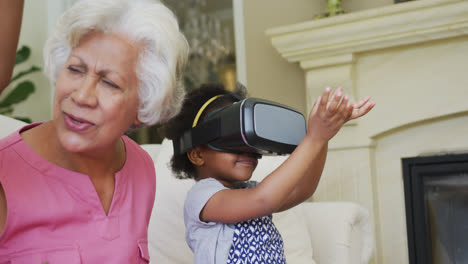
x: 9, y: 125
x: 340, y: 232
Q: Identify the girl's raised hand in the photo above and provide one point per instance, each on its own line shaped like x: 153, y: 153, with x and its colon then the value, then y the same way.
x: 362, y: 107
x: 329, y: 114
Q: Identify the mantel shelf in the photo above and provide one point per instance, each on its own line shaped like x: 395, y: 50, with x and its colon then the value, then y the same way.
x: 332, y: 40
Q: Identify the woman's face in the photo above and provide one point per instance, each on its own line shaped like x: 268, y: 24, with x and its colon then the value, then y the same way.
x: 96, y: 98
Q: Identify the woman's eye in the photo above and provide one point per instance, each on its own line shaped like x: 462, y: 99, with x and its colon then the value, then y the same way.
x: 74, y: 69
x: 111, y: 84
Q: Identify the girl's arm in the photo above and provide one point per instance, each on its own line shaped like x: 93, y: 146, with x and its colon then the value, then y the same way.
x: 273, y: 193
x: 11, y: 13
x: 308, y: 184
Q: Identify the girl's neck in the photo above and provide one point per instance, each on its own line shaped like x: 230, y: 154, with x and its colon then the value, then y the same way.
x: 227, y: 184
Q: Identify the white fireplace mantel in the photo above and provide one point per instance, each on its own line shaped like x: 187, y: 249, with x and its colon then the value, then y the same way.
x: 333, y: 40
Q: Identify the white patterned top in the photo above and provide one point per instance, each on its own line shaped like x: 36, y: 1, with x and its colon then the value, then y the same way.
x: 252, y: 241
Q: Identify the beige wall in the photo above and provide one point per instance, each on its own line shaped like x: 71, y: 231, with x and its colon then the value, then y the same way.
x: 358, y: 5
x: 39, y: 18
x: 270, y: 76
x: 33, y: 34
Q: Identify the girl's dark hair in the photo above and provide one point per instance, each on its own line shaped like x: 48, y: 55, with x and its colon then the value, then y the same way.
x: 194, y: 100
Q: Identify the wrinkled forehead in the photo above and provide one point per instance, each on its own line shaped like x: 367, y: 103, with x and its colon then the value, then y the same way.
x: 109, y: 55
x: 112, y: 49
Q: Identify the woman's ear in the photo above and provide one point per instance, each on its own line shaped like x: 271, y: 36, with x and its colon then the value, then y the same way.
x: 136, y: 122
x: 194, y: 155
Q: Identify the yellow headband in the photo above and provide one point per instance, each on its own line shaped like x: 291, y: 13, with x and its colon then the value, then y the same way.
x: 195, y: 121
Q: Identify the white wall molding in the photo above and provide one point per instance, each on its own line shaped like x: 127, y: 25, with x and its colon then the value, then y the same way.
x: 327, y: 61
x: 385, y: 27
x: 239, y: 34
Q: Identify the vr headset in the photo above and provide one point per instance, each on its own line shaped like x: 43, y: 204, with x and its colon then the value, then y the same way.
x: 250, y: 125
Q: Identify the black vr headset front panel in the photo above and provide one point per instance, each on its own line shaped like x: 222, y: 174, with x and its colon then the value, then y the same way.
x: 272, y: 128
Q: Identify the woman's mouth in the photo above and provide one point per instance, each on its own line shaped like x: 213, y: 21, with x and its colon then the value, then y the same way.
x: 76, y: 124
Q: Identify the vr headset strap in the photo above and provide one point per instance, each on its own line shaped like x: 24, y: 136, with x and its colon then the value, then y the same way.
x: 197, y: 136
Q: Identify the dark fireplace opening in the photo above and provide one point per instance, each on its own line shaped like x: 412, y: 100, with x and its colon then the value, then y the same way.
x: 436, y: 200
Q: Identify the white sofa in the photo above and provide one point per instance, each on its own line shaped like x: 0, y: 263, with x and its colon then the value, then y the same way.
x: 313, y: 232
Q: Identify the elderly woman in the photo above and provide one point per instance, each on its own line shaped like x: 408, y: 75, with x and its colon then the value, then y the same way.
x: 75, y: 189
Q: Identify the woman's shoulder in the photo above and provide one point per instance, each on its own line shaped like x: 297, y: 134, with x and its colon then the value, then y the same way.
x: 9, y: 140
x: 132, y: 148
x: 15, y: 137
x: 136, y: 156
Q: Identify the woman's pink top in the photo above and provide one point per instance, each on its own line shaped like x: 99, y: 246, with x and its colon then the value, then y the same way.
x: 55, y: 215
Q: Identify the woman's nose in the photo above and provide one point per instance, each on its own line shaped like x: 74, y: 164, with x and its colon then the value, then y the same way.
x: 85, y: 94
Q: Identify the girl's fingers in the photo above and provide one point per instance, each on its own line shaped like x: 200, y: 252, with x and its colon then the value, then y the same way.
x: 324, y: 97
x: 335, y: 100
x: 320, y: 104
x: 343, y: 113
x: 316, y: 104
x: 358, y: 112
x: 362, y: 102
x: 344, y: 104
x: 350, y: 109
x: 337, y: 108
x: 347, y: 109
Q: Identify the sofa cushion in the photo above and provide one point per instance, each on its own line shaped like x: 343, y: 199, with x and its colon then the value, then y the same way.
x: 166, y: 231
x: 9, y: 125
x: 345, y: 231
x: 293, y: 228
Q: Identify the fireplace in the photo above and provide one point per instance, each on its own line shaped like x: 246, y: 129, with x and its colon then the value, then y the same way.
x: 436, y: 199
x: 411, y: 58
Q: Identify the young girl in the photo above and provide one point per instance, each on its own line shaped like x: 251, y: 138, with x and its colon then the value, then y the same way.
x: 227, y: 218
